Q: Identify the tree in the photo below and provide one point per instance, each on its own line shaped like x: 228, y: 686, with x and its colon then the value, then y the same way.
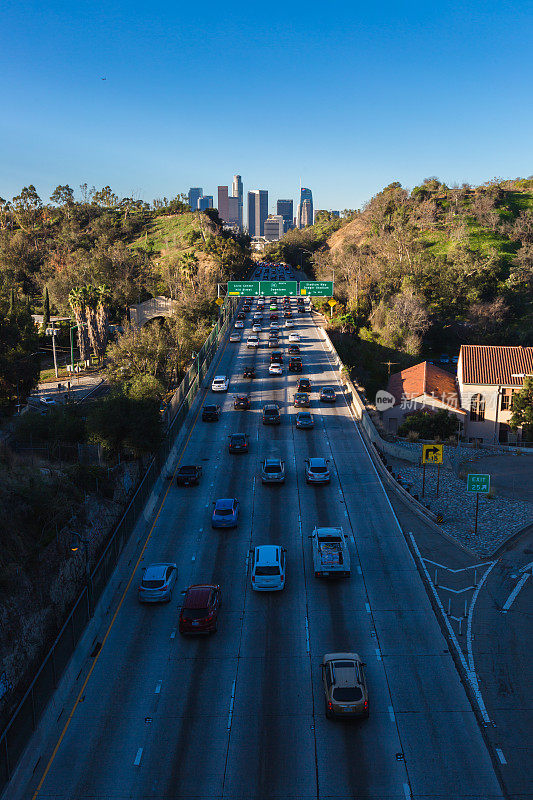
x: 62, y: 195
x: 102, y: 315
x: 522, y: 408
x: 430, y: 424
x: 91, y: 301
x: 114, y: 423
x: 77, y: 300
x: 19, y: 357
x: 27, y: 208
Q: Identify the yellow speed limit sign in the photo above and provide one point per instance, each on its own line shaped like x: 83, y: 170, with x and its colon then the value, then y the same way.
x: 332, y: 302
x: 431, y: 454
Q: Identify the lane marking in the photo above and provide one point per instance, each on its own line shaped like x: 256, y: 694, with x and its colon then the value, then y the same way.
x: 193, y: 558
x: 367, y: 606
x: 138, y: 757
x: 378, y: 654
x: 173, y: 634
x: 407, y: 791
x: 231, y: 703
x: 307, y: 647
x: 158, y: 687
x: 501, y: 756
x: 391, y: 714
x: 527, y: 566
x: 514, y: 594
x: 359, y: 570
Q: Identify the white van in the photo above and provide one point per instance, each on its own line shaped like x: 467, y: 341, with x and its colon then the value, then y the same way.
x: 268, y: 568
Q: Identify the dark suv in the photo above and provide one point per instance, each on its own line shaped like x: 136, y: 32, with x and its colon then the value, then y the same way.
x: 210, y: 413
x: 271, y: 414
x: 295, y: 364
x: 199, y: 613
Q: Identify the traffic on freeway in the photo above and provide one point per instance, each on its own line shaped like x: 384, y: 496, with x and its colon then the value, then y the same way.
x: 259, y: 675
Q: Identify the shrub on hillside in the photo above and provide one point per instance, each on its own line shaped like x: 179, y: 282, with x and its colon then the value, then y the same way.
x: 429, y: 425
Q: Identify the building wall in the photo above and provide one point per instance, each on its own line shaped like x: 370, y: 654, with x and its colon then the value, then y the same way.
x: 205, y: 202
x: 233, y: 211
x: 286, y: 210
x: 261, y: 212
x: 237, y: 191
x: 195, y: 193
x: 252, y: 200
x: 494, y: 427
x: 223, y: 203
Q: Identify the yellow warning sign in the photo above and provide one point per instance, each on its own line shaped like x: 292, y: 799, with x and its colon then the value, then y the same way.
x: 332, y: 302
x: 219, y: 301
x: 431, y: 454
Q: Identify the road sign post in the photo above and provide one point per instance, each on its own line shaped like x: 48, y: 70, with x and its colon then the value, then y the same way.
x: 480, y: 484
x: 331, y: 303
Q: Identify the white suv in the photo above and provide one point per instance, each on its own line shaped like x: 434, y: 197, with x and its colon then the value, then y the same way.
x: 268, y: 568
x: 220, y: 383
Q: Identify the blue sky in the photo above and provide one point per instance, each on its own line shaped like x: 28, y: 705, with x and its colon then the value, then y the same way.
x: 346, y: 97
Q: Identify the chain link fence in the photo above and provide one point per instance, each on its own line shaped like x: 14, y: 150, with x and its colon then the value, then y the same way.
x: 27, y: 714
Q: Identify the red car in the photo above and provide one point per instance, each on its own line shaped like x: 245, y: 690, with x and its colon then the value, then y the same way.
x: 199, y: 613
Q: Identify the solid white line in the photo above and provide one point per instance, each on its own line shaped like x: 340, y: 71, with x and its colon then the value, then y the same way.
x: 391, y: 713
x: 307, y: 647
x: 514, y: 594
x: 501, y: 756
x: 359, y: 570
x: 158, y: 687
x: 345, y: 513
x: 527, y: 566
x: 138, y: 757
x: 367, y: 608
x: 378, y: 654
x: 193, y: 558
x: 407, y: 791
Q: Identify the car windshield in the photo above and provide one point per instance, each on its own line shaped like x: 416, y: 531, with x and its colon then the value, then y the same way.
x: 265, y: 570
x: 318, y: 469
x: 155, y: 584
x: 347, y: 694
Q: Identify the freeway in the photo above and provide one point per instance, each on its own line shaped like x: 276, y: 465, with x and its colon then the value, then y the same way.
x: 240, y: 715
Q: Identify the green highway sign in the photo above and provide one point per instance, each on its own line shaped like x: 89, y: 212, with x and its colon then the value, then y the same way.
x: 478, y: 483
x: 243, y: 289
x: 316, y: 288
x: 278, y: 288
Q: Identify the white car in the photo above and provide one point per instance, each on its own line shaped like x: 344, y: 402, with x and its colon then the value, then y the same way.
x: 317, y: 470
x: 252, y: 341
x: 268, y: 568
x: 258, y: 316
x: 220, y: 383
x: 239, y: 323
x: 289, y: 323
x: 256, y: 327
x: 275, y: 369
x: 274, y: 326
x: 294, y: 337
x: 48, y: 401
x: 235, y: 337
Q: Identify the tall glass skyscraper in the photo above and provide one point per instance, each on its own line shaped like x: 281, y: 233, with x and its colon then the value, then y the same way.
x: 194, y: 195
x: 237, y: 191
x: 285, y: 209
x: 305, y: 194
x: 257, y: 211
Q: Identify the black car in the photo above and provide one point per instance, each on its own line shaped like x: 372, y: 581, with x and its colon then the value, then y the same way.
x: 328, y: 394
x: 238, y: 443
x: 240, y: 315
x: 295, y: 364
x: 249, y: 372
x: 188, y: 475
x: 276, y: 357
x: 210, y: 413
x: 242, y: 401
x: 294, y: 350
x: 304, y: 385
x: 271, y: 414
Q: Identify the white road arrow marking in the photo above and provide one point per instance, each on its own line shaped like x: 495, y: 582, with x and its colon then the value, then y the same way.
x: 514, y: 594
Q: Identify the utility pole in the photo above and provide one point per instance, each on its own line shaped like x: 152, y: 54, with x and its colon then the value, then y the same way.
x: 54, y: 348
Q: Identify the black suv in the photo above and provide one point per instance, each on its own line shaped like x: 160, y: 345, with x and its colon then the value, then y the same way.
x: 271, y: 414
x: 295, y: 364
x: 210, y: 413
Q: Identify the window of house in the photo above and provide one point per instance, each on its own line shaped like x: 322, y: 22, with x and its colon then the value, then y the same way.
x: 506, y: 399
x: 477, y: 408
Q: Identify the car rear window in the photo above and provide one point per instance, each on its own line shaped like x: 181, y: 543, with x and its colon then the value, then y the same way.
x: 347, y: 694
x: 156, y: 584
x: 266, y: 570
x: 210, y: 409
x: 318, y: 469
x: 223, y: 512
x: 194, y: 613
x: 187, y: 471
x: 272, y: 468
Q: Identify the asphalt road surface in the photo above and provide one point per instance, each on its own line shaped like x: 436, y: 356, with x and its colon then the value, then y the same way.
x: 240, y: 715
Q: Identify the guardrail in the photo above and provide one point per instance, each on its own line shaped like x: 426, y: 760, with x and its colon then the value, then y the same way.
x: 27, y: 714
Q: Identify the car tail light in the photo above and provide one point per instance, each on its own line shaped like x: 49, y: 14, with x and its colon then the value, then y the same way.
x: 253, y: 578
x: 366, y: 705
x: 330, y: 705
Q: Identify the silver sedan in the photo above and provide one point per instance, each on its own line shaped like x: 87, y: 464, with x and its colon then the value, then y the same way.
x: 157, y: 583
x: 273, y: 470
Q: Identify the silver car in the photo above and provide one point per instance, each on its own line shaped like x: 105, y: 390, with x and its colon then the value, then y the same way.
x: 317, y: 470
x: 273, y: 470
x: 157, y: 583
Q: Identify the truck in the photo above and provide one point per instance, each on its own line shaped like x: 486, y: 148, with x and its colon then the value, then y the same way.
x: 331, y: 558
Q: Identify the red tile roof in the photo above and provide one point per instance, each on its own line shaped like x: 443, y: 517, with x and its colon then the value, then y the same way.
x: 492, y: 364
x: 424, y: 379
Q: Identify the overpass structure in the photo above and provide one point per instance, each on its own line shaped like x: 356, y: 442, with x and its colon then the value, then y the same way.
x: 141, y: 313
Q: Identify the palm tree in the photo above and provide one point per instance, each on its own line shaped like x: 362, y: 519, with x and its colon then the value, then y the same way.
x: 77, y: 299
x: 91, y: 300
x: 102, y: 315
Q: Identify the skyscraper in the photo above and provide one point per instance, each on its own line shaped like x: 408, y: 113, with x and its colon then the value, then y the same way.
x: 233, y: 211
x: 205, y: 202
x: 305, y: 194
x: 285, y: 209
x: 251, y: 213
x: 237, y: 191
x: 257, y: 211
x: 223, y: 203
x: 274, y: 227
x: 194, y: 195
x: 306, y: 213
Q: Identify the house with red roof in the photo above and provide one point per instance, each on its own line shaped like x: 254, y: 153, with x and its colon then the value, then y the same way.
x: 481, y: 395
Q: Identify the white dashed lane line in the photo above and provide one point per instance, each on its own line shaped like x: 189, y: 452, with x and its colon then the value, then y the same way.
x: 158, y: 687
x: 138, y: 757
x: 501, y: 756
